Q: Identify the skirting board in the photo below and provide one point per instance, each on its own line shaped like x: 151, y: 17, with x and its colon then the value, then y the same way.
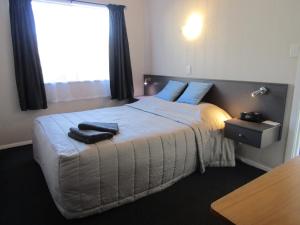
x: 254, y: 164
x: 17, y: 144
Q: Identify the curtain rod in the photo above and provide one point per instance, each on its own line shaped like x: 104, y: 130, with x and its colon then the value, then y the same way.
x: 90, y: 3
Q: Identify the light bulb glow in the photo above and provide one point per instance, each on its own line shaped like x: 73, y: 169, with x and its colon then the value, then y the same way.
x: 193, y: 27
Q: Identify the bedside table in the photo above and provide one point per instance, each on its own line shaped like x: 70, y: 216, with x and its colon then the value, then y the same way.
x: 133, y: 100
x: 137, y: 98
x: 259, y: 135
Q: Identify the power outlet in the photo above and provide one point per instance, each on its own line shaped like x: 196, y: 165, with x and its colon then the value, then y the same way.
x: 294, y: 50
x: 188, y: 70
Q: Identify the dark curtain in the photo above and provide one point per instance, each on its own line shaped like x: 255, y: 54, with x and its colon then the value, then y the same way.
x: 121, y: 83
x: 28, y: 70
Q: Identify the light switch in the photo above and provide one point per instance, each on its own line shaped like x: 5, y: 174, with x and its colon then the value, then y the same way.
x: 188, y: 70
x: 294, y: 50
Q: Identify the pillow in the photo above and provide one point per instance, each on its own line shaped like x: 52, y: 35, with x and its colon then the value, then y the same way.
x: 172, y: 90
x: 213, y: 115
x: 194, y: 93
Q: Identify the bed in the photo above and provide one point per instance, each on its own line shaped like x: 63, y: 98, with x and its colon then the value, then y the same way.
x: 159, y: 143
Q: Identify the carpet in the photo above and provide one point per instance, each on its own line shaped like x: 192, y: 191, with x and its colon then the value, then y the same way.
x: 25, y: 199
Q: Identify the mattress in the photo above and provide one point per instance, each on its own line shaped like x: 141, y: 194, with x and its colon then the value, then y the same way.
x: 159, y: 143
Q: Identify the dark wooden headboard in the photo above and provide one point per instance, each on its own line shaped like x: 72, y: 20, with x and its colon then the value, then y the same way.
x: 234, y: 96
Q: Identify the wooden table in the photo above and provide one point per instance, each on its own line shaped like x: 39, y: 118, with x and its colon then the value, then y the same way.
x: 272, y: 199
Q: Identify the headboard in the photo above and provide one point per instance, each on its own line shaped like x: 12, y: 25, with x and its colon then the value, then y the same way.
x: 233, y: 96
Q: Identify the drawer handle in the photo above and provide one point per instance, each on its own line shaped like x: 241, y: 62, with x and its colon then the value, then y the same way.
x: 241, y: 135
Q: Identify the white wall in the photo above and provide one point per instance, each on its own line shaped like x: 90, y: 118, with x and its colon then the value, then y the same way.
x: 242, y: 40
x: 293, y: 143
x: 16, y: 126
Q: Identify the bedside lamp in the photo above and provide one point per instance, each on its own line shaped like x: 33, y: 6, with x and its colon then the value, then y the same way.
x: 147, y: 81
x: 260, y: 91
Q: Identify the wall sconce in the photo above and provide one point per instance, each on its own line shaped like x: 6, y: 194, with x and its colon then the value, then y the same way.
x: 147, y: 81
x: 193, y: 27
x: 260, y: 91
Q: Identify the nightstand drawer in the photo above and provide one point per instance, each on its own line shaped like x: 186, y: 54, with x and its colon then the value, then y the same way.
x: 243, y: 135
x: 259, y: 135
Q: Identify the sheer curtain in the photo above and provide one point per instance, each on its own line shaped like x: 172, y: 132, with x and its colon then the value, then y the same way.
x: 73, y: 42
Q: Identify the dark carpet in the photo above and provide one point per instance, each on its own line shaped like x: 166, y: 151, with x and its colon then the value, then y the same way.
x: 24, y: 197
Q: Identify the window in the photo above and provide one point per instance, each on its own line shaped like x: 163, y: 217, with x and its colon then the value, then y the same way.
x: 73, y: 42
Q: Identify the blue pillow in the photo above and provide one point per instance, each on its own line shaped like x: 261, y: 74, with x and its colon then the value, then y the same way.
x: 172, y: 90
x: 194, y: 93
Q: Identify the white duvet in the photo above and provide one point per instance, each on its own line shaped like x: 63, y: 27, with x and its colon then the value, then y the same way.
x: 159, y: 143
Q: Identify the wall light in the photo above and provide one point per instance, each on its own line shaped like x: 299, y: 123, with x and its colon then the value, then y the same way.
x: 147, y: 81
x: 193, y: 27
x: 260, y: 91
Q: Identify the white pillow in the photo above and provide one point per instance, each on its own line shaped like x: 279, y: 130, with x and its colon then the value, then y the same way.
x: 213, y: 115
